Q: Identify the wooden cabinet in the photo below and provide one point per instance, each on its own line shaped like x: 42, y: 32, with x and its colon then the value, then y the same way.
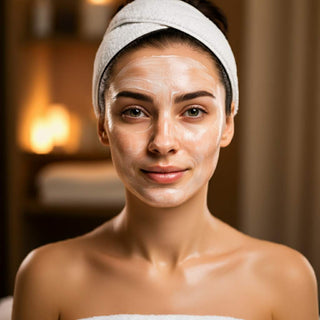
x: 40, y: 71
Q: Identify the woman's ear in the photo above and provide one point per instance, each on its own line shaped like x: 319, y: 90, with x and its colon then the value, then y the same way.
x: 228, y: 131
x: 102, y: 131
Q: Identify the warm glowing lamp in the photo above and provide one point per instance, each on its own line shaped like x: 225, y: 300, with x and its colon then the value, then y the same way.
x: 59, y: 125
x: 51, y: 130
x: 41, y: 139
x: 100, y: 2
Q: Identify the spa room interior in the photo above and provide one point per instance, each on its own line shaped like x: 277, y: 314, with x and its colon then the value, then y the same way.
x: 57, y: 179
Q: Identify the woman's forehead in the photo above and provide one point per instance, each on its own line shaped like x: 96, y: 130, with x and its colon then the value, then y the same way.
x: 178, y: 55
x: 163, y: 64
x: 167, y: 64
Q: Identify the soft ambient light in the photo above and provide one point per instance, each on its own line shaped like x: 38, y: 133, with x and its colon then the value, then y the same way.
x: 100, y: 2
x: 51, y: 130
x: 41, y: 139
x: 59, y: 124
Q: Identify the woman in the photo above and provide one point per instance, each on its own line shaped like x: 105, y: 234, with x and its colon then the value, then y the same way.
x: 165, y: 92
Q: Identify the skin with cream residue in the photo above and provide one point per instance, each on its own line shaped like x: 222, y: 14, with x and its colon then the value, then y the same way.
x: 164, y: 123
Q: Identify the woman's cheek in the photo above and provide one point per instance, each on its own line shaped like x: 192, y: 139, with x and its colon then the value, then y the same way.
x: 202, y: 140
x: 126, y: 144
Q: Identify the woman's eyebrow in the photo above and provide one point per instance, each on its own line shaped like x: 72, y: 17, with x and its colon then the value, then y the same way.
x: 134, y: 95
x: 180, y: 98
x: 193, y: 95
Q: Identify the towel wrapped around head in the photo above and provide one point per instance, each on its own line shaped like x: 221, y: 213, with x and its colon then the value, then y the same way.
x: 142, y: 17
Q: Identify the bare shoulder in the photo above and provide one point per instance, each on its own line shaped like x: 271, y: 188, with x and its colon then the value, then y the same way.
x: 65, y: 259
x: 52, y: 259
x: 275, y: 260
x: 43, y: 278
x: 287, y: 279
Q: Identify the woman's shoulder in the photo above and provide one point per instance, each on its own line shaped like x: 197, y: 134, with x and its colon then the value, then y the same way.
x: 51, y: 261
x: 71, y: 258
x: 265, y: 259
x: 50, y: 275
x: 263, y: 255
x: 272, y: 261
x: 275, y: 260
x: 66, y: 259
x: 284, y: 275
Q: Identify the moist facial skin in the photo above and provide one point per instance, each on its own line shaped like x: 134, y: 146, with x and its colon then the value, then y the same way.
x: 164, y: 120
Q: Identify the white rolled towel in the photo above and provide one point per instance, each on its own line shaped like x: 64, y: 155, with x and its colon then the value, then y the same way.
x: 6, y: 308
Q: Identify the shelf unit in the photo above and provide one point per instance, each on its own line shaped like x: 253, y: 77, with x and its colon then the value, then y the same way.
x: 58, y: 69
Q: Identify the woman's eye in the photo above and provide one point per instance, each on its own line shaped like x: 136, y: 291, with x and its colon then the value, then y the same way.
x: 134, y: 113
x: 194, y: 112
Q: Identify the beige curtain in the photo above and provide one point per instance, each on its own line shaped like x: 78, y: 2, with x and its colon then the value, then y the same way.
x: 280, y: 113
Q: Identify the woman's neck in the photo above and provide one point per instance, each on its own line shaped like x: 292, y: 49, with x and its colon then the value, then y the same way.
x: 167, y: 236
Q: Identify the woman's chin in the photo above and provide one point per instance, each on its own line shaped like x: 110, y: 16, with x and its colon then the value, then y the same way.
x: 162, y: 198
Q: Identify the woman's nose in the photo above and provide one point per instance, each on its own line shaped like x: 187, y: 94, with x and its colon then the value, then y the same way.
x: 164, y: 139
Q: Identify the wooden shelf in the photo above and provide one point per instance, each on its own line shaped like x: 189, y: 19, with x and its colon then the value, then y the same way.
x: 33, y: 208
x: 33, y: 163
x: 61, y: 156
x: 58, y: 70
x: 38, y: 210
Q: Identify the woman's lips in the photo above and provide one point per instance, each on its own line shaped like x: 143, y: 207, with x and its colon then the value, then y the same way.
x: 164, y: 175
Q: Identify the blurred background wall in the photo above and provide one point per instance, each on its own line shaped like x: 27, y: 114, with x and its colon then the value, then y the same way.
x: 280, y: 142
x: 267, y: 180
x: 3, y: 215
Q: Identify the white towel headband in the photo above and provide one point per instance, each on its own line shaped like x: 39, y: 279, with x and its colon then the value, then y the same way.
x: 141, y: 17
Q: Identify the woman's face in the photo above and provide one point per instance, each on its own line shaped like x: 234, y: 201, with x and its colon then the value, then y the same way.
x: 165, y: 123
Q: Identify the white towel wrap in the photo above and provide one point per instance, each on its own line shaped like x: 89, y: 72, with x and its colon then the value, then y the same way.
x: 158, y: 317
x: 141, y: 17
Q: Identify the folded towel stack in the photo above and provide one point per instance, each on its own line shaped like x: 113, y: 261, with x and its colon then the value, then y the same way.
x: 6, y: 308
x: 78, y: 183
